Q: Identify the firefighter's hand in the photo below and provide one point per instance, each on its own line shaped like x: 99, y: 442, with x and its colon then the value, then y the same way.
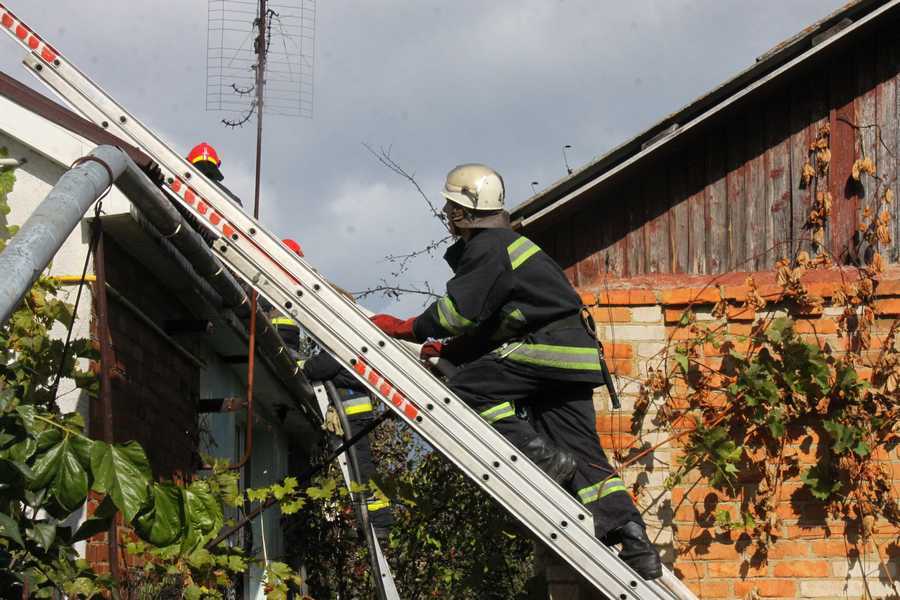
x: 333, y: 422
x: 394, y: 327
x: 431, y: 349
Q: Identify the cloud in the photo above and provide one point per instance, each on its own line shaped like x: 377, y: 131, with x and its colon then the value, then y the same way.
x: 507, y: 82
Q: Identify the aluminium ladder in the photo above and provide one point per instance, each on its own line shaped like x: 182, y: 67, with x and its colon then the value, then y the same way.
x: 390, y: 372
x: 385, y: 587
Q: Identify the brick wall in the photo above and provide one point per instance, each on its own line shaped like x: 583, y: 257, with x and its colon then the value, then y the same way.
x: 154, y: 390
x: 815, y: 557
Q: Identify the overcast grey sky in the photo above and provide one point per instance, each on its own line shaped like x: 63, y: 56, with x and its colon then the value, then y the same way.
x: 505, y: 82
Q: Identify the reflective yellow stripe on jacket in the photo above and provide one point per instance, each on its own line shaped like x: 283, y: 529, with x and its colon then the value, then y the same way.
x: 450, y: 318
x: 521, y: 250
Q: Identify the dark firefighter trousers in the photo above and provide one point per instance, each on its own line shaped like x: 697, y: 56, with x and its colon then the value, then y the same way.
x: 358, y: 409
x: 563, y: 412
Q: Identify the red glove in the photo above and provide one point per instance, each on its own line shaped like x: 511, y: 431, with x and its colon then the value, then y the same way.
x: 431, y: 349
x: 395, y: 327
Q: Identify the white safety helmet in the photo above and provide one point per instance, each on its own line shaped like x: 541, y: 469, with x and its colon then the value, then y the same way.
x: 475, y: 187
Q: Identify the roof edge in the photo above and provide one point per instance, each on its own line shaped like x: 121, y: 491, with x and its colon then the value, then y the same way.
x: 805, y: 44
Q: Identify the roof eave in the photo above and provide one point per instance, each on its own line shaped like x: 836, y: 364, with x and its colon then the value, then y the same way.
x: 777, y: 61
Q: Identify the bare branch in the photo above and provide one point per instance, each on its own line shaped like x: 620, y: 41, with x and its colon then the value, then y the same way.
x: 383, y: 155
x: 394, y: 292
x: 403, y: 260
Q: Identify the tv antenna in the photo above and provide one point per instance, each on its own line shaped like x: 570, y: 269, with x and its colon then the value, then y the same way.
x: 260, y: 59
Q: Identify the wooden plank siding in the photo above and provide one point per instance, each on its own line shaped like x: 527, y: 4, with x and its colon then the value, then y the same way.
x: 727, y: 195
x: 887, y: 111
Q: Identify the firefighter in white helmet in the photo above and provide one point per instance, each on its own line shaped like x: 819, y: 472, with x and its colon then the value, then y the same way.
x: 515, y: 326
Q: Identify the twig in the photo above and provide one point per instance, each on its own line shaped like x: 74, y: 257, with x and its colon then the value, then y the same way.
x: 405, y: 259
x: 393, y: 291
x: 383, y: 155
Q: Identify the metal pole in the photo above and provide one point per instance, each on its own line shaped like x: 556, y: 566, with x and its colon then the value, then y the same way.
x: 260, y: 89
x: 40, y: 238
x: 107, y: 360
x: 251, y: 353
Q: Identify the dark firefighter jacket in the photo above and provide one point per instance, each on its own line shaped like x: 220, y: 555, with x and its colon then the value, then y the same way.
x: 510, y: 298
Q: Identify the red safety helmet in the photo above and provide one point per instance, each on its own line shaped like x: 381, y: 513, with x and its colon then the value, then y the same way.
x: 293, y: 246
x: 204, y: 152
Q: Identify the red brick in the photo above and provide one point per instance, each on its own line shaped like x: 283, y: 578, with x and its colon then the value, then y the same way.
x: 613, y: 423
x: 620, y: 366
x: 687, y: 513
x: 830, y: 548
x: 733, y: 569
x: 815, y: 326
x: 611, y: 314
x: 632, y: 297
x: 710, y: 589
x: 690, y: 295
x: 888, y: 306
x: 699, y: 493
x: 673, y: 315
x: 714, y: 551
x: 785, y: 549
x: 619, y: 350
x: 680, y: 333
x: 740, y: 313
x: 742, y: 329
x: 766, y: 588
x: 888, y: 287
x: 801, y: 569
x: 616, y: 441
x: 796, y: 532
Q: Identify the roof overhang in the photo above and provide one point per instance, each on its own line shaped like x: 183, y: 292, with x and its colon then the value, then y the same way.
x: 850, y: 20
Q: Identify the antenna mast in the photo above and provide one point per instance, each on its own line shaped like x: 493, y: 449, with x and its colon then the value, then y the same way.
x: 261, y: 51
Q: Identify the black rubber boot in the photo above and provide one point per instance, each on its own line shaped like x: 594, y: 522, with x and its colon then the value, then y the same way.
x: 638, y: 551
x: 558, y: 464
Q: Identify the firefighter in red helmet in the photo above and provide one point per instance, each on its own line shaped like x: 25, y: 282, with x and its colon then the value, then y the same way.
x: 206, y: 160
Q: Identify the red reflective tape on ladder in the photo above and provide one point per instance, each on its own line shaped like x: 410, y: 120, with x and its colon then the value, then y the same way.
x: 201, y: 207
x: 7, y: 21
x: 189, y: 196
x: 385, y: 388
x: 33, y: 42
x: 228, y: 230
x: 214, y: 218
x: 175, y: 185
x: 21, y: 32
x: 48, y: 54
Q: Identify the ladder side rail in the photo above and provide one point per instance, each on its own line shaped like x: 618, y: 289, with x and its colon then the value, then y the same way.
x: 468, y: 451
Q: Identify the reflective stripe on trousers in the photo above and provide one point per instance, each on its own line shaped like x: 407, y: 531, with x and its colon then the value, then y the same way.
x: 592, y: 493
x: 357, y: 405
x: 501, y: 411
x: 560, y: 357
x: 285, y: 321
x: 377, y: 504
